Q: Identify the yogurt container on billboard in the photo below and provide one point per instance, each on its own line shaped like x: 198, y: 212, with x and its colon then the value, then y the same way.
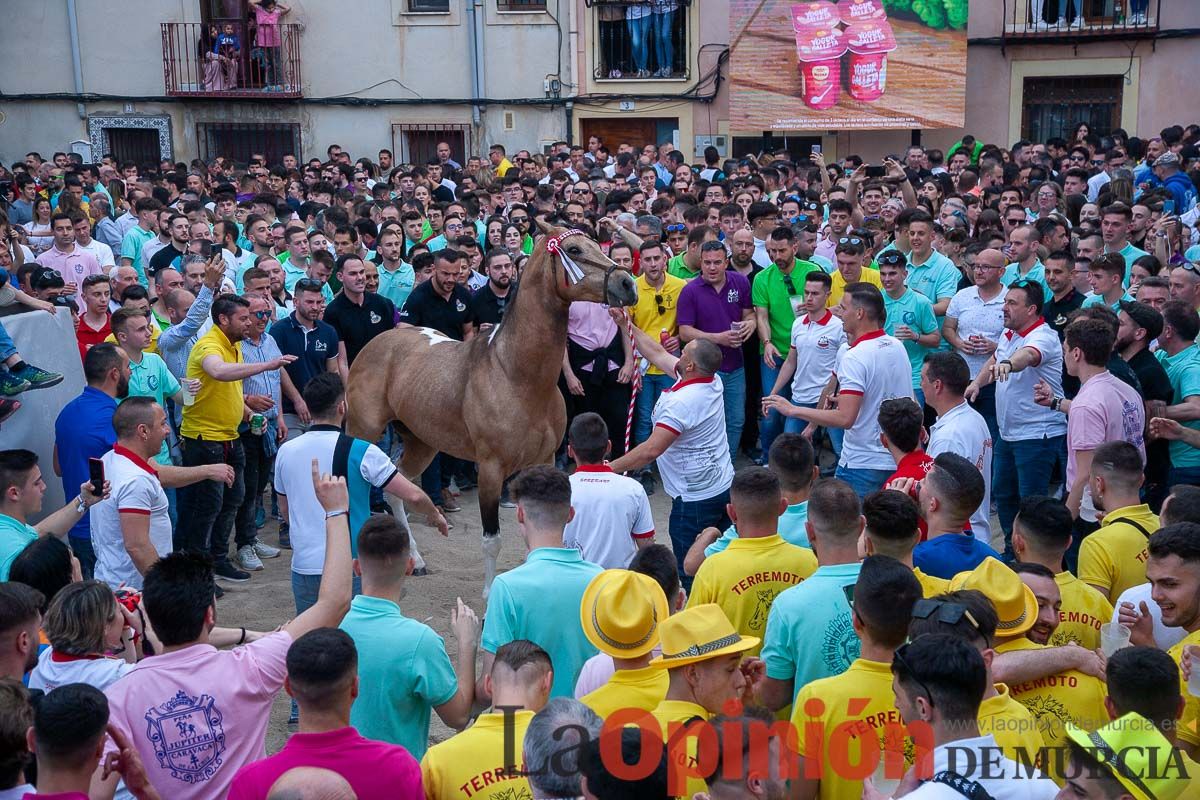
x: 855, y: 11
x: 819, y: 51
x: 869, y: 44
x: 814, y: 14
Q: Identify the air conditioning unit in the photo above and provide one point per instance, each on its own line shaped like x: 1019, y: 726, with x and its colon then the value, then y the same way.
x: 718, y: 141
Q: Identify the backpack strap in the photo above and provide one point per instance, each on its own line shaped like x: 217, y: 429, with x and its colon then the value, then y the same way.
x: 1140, y: 529
x: 964, y: 786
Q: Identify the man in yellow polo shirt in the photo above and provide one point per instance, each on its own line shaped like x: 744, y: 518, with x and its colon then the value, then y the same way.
x: 702, y: 655
x: 210, y: 433
x: 851, y: 254
x: 1041, y: 535
x: 861, y: 698
x: 892, y: 530
x: 1173, y: 570
x: 968, y: 615
x: 1056, y: 700
x: 658, y: 295
x: 1113, y: 558
x: 621, y: 612
x: 472, y: 763
x: 749, y: 574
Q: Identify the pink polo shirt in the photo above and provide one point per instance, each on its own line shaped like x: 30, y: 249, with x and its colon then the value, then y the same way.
x: 198, y: 715
x: 74, y: 264
x: 373, y: 769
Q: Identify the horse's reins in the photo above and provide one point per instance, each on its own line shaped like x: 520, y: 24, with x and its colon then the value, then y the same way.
x: 573, y: 275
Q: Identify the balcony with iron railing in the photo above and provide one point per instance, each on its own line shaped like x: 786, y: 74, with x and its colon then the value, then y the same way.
x: 649, y: 47
x: 1074, y: 21
x: 203, y: 60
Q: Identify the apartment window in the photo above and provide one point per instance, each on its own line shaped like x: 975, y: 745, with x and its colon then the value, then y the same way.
x: 521, y: 5
x: 138, y: 145
x: 239, y: 140
x: 442, y: 6
x: 1053, y: 106
x: 417, y: 143
x: 663, y: 51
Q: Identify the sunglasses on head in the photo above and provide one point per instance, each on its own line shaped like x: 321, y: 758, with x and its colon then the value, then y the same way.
x: 309, y: 284
x: 855, y: 240
x: 892, y: 258
x: 675, y: 227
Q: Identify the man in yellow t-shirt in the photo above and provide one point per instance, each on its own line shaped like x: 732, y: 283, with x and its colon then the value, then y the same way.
x: 658, y: 297
x: 702, y: 655
x: 861, y: 697
x: 1145, y: 681
x: 1113, y: 558
x: 1057, y: 699
x: 472, y: 763
x: 749, y: 574
x: 1041, y: 535
x: 621, y: 612
x: 892, y: 530
x: 851, y: 256
x: 1173, y: 570
x: 210, y: 432
x: 968, y: 615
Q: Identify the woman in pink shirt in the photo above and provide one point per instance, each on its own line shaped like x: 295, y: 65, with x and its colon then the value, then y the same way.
x: 268, y: 40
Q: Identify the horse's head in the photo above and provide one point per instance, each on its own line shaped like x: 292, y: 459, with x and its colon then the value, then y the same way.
x: 588, y: 274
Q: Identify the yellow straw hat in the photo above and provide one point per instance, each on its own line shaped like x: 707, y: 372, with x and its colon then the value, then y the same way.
x: 1015, y: 603
x: 1136, y: 754
x: 622, y: 612
x: 699, y: 634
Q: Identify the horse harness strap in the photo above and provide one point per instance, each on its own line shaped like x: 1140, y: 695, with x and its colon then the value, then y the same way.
x: 572, y: 272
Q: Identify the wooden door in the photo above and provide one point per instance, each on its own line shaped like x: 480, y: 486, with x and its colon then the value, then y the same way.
x: 613, y: 131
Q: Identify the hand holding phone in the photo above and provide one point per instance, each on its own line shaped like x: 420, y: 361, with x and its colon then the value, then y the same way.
x: 96, y: 476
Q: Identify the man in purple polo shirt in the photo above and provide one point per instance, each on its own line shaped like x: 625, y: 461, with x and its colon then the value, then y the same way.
x: 717, y: 306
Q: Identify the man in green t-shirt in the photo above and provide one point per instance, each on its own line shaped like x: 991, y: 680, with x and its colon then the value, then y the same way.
x: 778, y: 295
x: 686, y: 265
x: 21, y: 491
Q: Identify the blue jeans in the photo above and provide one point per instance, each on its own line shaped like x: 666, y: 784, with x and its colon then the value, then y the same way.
x: 1188, y: 476
x: 83, y: 550
x: 431, y: 480
x: 664, y: 51
x: 920, y: 397
x: 304, y: 591
x: 863, y: 481
x: 688, y: 518
x: 734, y: 382
x: 985, y: 404
x: 639, y: 33
x: 7, y: 348
x: 1022, y: 468
x: 773, y: 423
x: 652, y: 388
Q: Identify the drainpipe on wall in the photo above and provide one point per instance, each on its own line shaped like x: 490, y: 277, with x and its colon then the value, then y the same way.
x: 570, y: 106
x: 475, y: 33
x: 76, y: 66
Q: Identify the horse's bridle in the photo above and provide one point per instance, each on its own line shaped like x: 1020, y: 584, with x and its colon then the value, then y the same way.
x: 571, y: 270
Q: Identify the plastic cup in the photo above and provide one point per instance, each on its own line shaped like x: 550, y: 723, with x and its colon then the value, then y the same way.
x: 819, y: 52
x: 869, y: 43
x: 188, y: 397
x: 855, y: 11
x: 1113, y: 637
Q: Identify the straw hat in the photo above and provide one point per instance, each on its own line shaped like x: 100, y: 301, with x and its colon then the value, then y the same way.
x: 1136, y: 754
x: 622, y: 611
x: 1015, y: 603
x: 700, y: 633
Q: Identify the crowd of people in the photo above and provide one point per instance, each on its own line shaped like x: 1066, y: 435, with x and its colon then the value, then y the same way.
x: 930, y: 430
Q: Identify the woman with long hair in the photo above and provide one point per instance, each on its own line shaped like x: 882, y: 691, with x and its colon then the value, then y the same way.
x: 494, y: 236
x: 511, y: 238
x: 1047, y: 199
x: 38, y: 231
x: 931, y: 190
x: 91, y: 637
x: 1082, y: 131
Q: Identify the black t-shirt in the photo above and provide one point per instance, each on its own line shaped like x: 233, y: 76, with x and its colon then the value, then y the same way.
x: 356, y: 325
x: 1155, y: 386
x: 486, y: 307
x: 1056, y: 311
x: 169, y: 256
x: 425, y: 308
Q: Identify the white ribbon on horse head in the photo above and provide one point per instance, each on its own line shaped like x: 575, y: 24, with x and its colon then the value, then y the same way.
x: 554, y: 247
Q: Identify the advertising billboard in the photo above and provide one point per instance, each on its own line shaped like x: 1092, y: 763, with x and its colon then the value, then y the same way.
x: 848, y: 65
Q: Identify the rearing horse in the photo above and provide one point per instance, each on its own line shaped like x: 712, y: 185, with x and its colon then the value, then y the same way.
x: 492, y: 400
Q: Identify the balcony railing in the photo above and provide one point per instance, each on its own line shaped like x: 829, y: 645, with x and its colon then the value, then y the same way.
x: 202, y: 60
x: 1075, y: 20
x: 638, y: 49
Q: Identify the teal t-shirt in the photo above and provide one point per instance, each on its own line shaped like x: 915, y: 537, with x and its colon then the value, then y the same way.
x: 1130, y: 254
x: 915, y: 311
x: 396, y: 286
x: 539, y: 601
x: 1036, y: 273
x: 403, y: 673
x: 151, y: 378
x: 1183, y: 370
x: 937, y: 279
x: 1097, y: 300
x: 131, y: 248
x: 791, y: 528
x: 809, y: 631
x: 14, y: 536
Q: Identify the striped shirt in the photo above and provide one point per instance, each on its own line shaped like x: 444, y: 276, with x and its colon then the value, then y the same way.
x: 264, y: 382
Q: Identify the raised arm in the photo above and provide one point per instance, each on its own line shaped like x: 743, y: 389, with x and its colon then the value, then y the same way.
x: 333, y: 596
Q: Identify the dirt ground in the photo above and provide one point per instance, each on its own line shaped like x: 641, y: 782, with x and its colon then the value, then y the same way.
x: 455, y: 570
